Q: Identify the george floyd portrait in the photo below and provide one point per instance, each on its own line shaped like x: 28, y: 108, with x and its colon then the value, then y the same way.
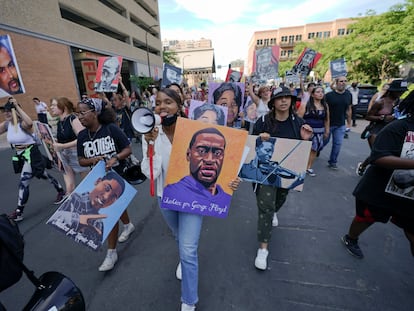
x: 107, y: 74
x: 204, y: 158
x: 90, y: 212
x: 277, y: 162
x: 10, y: 78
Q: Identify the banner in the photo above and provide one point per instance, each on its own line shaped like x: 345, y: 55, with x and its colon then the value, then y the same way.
x: 89, y: 76
x: 91, y: 211
x: 338, y: 68
x: 266, y: 64
x: 306, y: 61
x: 171, y: 74
x: 233, y: 75
x: 11, y: 82
x: 205, y: 158
x: 107, y: 74
x: 208, y: 113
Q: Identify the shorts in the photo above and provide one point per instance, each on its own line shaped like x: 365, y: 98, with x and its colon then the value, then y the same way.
x: 368, y: 213
x: 70, y: 158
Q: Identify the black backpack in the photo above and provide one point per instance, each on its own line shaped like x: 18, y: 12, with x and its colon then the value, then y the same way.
x: 11, y: 252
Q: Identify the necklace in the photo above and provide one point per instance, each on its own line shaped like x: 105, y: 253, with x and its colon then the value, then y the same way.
x: 94, y: 135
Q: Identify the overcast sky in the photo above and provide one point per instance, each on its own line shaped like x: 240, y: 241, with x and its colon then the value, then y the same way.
x: 230, y: 24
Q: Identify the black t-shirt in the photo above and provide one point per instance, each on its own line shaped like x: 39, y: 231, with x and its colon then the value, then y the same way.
x: 123, y: 119
x: 108, y: 140
x: 371, y: 188
x: 65, y: 131
x: 290, y: 128
x: 338, y: 104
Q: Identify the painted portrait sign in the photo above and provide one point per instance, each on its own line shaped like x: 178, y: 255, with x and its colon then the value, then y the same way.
x: 205, y: 158
x: 338, y: 68
x: 171, y: 74
x: 277, y: 162
x: 266, y: 64
x: 107, y: 74
x: 306, y: 61
x: 208, y: 113
x: 11, y: 82
x: 91, y: 211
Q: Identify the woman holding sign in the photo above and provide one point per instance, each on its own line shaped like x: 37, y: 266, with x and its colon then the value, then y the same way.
x: 185, y: 227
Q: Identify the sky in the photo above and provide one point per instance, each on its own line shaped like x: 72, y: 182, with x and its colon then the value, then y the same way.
x: 230, y: 24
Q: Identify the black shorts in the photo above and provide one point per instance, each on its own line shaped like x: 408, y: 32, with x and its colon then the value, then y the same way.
x: 368, y: 213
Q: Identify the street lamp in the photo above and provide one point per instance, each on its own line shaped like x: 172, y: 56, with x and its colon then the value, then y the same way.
x: 146, y: 43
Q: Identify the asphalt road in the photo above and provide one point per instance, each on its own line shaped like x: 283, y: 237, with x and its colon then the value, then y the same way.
x: 308, y: 267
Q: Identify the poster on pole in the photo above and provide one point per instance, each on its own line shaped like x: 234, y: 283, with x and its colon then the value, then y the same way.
x: 107, y: 74
x: 11, y: 83
x: 338, y: 68
x: 306, y: 62
x: 90, y: 212
x: 266, y: 64
x: 171, y: 74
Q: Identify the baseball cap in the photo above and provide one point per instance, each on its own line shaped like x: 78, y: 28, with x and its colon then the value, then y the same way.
x: 398, y: 85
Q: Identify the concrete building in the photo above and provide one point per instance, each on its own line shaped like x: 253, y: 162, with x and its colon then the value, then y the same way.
x: 195, y: 57
x: 57, y: 43
x: 287, y: 37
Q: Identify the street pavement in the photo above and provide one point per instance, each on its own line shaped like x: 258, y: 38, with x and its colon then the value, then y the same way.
x: 308, y: 267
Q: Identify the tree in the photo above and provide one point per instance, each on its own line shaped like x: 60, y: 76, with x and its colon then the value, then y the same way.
x: 170, y: 57
x: 141, y: 82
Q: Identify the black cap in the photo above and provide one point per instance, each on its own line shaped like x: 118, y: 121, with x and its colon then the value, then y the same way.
x: 279, y: 92
x: 398, y: 85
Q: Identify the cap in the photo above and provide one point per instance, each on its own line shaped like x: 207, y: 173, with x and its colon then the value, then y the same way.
x: 398, y: 85
x: 279, y: 92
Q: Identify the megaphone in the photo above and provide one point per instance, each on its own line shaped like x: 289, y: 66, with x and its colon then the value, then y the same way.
x: 144, y: 120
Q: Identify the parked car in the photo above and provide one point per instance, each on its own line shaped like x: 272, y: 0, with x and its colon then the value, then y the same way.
x: 366, y: 91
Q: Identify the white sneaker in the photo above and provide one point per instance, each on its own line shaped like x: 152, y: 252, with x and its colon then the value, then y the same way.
x: 275, y: 221
x: 109, y: 262
x: 186, y: 307
x: 178, y: 273
x: 261, y: 259
x: 128, y: 229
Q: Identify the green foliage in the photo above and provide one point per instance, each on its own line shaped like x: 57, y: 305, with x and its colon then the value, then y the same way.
x: 376, y: 47
x: 170, y: 57
x: 141, y: 82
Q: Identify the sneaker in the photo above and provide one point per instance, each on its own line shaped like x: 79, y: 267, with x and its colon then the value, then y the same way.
x: 310, y: 172
x: 128, y: 229
x: 186, y: 307
x: 352, y: 246
x: 17, y: 215
x: 360, y: 169
x: 333, y: 166
x: 275, y: 221
x: 178, y: 272
x: 261, y: 259
x: 346, y: 135
x: 109, y: 262
x: 60, y: 198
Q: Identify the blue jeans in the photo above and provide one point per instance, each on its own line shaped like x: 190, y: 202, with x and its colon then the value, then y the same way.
x: 337, y: 133
x: 186, y: 229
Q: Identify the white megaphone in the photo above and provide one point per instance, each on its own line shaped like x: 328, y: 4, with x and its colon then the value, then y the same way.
x: 144, y: 120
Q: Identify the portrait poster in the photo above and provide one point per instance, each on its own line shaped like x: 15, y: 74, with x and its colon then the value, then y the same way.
x: 291, y: 77
x: 233, y: 75
x: 208, y: 166
x: 306, y: 61
x: 338, y: 68
x: 13, y: 84
x: 90, y: 212
x: 215, y: 89
x: 89, y: 76
x: 249, y: 110
x: 44, y: 132
x: 107, y: 74
x: 278, y: 162
x: 401, y: 182
x: 171, y: 74
x: 202, y: 111
x: 266, y: 64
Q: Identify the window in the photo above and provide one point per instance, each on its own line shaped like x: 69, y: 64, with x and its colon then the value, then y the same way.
x: 341, y: 31
x: 260, y: 42
x: 273, y: 41
x: 284, y: 39
x: 326, y: 34
x: 298, y: 38
x: 319, y: 34
x: 311, y: 35
x: 283, y: 53
x: 348, y: 31
x: 290, y: 53
x: 291, y: 39
x: 266, y: 42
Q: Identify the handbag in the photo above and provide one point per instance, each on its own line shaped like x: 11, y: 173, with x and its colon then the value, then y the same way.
x: 366, y: 132
x: 132, y: 171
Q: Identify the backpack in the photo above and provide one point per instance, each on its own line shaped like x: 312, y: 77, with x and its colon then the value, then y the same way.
x: 11, y: 252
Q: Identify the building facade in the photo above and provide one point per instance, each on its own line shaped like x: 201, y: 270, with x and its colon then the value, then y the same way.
x: 57, y: 43
x: 195, y: 57
x: 287, y: 37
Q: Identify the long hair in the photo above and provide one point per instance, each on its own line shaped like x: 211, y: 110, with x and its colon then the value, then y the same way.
x: 173, y: 94
x: 228, y: 86
x: 310, y: 105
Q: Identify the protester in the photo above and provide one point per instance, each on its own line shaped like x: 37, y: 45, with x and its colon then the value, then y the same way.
x: 229, y: 95
x: 68, y: 129
x: 339, y: 103
x: 41, y: 110
x: 354, y: 90
x: 281, y: 122
x: 380, y: 114
x: 261, y: 99
x: 372, y: 203
x: 28, y: 160
x: 103, y: 140
x: 316, y: 113
x: 185, y: 227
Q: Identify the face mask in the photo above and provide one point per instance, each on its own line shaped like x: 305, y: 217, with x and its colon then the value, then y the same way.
x: 169, y: 120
